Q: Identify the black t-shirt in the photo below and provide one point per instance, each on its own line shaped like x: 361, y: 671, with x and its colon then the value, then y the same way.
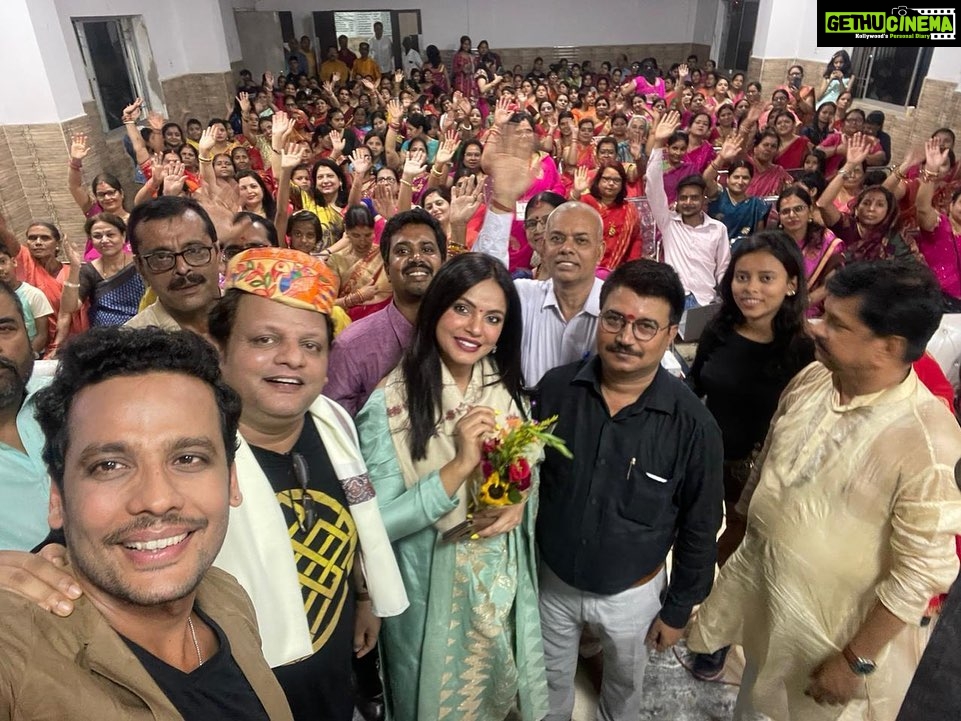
x: 217, y: 689
x: 319, y: 687
x: 743, y: 380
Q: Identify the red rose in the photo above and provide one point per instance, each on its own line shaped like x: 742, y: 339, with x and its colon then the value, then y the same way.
x: 523, y: 484
x: 520, y: 470
x: 486, y: 468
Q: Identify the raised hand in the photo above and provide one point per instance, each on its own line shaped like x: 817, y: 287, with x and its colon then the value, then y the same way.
x: 510, y: 165
x: 78, y: 146
x: 683, y: 71
x: 243, y: 99
x: 502, y: 111
x: 384, y: 202
x: 361, y: 163
x: 335, y: 78
x: 132, y: 111
x: 337, y: 142
x: 582, y: 181
x: 281, y: 127
x: 269, y: 81
x: 415, y: 164
x: 859, y: 147
x: 465, y: 199
x: 395, y: 111
x: 731, y: 148
x: 398, y: 76
x: 369, y: 84
x: 173, y: 182
x: 667, y: 125
x: 292, y: 155
x: 155, y: 120
x: 207, y: 142
x: 74, y: 249
x: 445, y: 153
x: 328, y: 87
x: 934, y: 156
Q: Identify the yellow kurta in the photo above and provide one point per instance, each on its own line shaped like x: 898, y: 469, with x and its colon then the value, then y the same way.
x: 853, y: 503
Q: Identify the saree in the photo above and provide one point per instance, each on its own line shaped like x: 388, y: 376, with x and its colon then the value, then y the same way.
x: 793, y: 155
x: 52, y: 287
x: 469, y: 647
x: 770, y: 181
x: 740, y: 218
x: 111, y: 301
x: 462, y: 74
x: 701, y: 156
x: 368, y: 272
x: 622, y: 232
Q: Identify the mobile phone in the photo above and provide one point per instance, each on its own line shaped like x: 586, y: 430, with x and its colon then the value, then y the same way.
x: 795, y: 83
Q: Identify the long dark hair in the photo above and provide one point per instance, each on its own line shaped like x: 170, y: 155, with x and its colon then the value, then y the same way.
x: 814, y: 235
x: 459, y: 168
x: 317, y: 195
x: 421, y: 364
x: 268, y: 202
x: 789, y: 322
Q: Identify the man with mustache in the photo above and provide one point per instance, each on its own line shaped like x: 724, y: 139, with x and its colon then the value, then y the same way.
x: 413, y: 246
x: 645, y: 477
x: 24, y: 484
x: 852, y: 512
x: 143, y: 502
x: 174, y: 243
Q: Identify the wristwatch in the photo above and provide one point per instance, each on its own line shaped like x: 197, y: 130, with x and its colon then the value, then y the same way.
x: 860, y: 666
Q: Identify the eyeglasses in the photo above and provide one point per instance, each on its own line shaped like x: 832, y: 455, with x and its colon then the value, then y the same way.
x: 107, y: 194
x: 535, y: 223
x: 796, y: 210
x: 387, y: 181
x: 643, y: 328
x: 195, y: 256
x: 308, y: 518
x: 609, y: 179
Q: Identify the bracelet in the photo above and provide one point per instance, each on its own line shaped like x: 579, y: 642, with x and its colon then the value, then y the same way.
x: 407, y: 183
x: 929, y: 177
x: 716, y: 169
x: 275, y: 149
x: 501, y: 207
x: 67, y: 284
x: 899, y: 175
x: 394, y: 127
x: 129, y: 122
x: 75, y: 164
x: 204, y: 160
x: 438, y: 173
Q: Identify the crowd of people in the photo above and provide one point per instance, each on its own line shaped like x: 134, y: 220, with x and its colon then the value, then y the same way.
x: 318, y: 309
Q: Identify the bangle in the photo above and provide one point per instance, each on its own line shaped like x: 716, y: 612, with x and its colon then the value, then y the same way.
x: 899, y: 175
x: 438, y: 173
x: 68, y: 284
x: 204, y: 160
x: 927, y: 176
x: 403, y: 181
x: 716, y: 169
x: 275, y: 150
x: 394, y: 127
x: 129, y: 122
x: 75, y: 164
x: 501, y: 207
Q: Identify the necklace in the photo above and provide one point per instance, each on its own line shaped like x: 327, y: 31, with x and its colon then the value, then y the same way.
x: 193, y: 635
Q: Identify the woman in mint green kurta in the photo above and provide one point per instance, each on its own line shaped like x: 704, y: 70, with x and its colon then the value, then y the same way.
x: 469, y: 647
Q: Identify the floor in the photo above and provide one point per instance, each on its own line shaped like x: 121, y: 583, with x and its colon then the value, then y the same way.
x: 670, y: 694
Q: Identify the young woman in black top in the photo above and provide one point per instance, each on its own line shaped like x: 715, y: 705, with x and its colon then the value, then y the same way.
x: 752, y: 348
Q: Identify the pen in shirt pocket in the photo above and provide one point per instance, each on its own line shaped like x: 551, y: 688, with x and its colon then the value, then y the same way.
x: 630, y: 468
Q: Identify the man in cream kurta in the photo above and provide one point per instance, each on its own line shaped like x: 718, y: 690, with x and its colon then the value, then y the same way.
x: 851, y: 517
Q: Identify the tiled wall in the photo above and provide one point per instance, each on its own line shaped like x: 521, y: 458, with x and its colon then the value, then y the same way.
x: 33, y: 158
x: 939, y: 104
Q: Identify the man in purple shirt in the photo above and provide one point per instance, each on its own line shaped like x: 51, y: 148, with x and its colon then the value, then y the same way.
x: 414, y: 246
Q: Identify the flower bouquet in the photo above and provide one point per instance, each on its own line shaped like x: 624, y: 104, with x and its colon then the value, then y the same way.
x: 507, y: 458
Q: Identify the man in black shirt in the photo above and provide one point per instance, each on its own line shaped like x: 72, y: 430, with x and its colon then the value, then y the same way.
x: 645, y: 476
x: 143, y: 501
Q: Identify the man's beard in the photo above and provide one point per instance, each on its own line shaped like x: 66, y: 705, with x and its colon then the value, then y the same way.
x: 13, y: 385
